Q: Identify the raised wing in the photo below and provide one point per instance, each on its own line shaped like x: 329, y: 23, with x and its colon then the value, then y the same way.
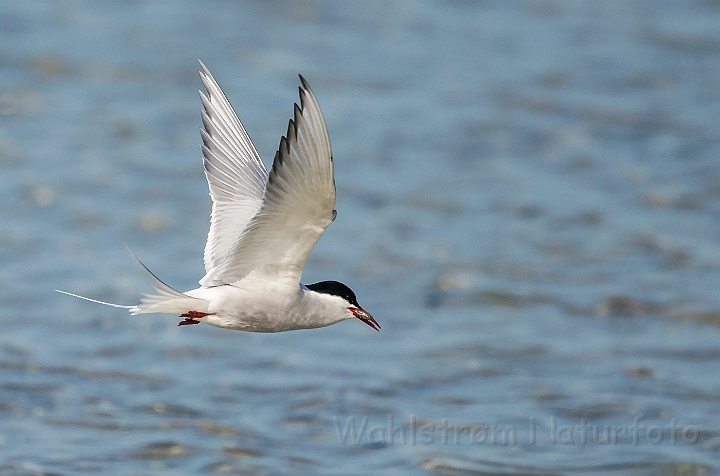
x: 299, y: 203
x: 234, y: 171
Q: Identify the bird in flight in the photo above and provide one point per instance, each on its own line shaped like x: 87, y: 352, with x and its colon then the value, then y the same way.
x: 262, y: 228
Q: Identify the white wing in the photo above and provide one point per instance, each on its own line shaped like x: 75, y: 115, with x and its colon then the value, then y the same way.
x: 298, y: 205
x: 234, y: 171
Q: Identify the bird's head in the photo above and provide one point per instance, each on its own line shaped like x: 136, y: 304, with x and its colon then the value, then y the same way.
x: 349, y: 301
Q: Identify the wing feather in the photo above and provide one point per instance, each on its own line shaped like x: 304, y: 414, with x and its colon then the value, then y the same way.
x: 236, y: 176
x: 299, y: 203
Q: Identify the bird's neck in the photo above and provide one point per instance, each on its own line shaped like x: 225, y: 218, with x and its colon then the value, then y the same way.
x: 320, y: 309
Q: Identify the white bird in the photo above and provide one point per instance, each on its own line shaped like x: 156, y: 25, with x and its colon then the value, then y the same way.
x: 262, y: 228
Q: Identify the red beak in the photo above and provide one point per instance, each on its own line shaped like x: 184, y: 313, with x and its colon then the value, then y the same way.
x: 365, y: 317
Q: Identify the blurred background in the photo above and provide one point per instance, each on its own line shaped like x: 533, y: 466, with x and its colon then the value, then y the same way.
x: 528, y: 203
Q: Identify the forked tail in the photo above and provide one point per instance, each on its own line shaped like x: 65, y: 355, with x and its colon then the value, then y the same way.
x: 165, y: 300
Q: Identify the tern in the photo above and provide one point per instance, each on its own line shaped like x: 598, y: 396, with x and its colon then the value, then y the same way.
x: 263, y: 227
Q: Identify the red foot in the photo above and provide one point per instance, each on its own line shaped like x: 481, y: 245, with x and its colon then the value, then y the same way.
x: 190, y: 317
x: 188, y: 322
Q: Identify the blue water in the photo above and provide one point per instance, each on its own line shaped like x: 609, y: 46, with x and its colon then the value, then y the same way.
x: 528, y: 203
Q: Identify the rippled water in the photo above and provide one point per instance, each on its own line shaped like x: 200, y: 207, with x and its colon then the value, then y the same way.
x: 528, y: 203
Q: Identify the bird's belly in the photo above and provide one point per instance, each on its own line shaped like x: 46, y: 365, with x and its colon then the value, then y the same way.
x: 259, y: 322
x: 250, y: 322
x: 248, y: 311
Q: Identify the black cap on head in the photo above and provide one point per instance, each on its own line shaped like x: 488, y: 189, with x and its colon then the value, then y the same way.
x: 335, y: 289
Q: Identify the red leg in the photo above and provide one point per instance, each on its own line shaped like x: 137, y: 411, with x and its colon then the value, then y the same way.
x: 195, y: 314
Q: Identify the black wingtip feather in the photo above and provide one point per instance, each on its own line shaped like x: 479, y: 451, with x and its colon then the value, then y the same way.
x: 291, y: 132
x: 304, y: 83
x: 303, y: 98
x: 283, y: 146
x: 278, y: 159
